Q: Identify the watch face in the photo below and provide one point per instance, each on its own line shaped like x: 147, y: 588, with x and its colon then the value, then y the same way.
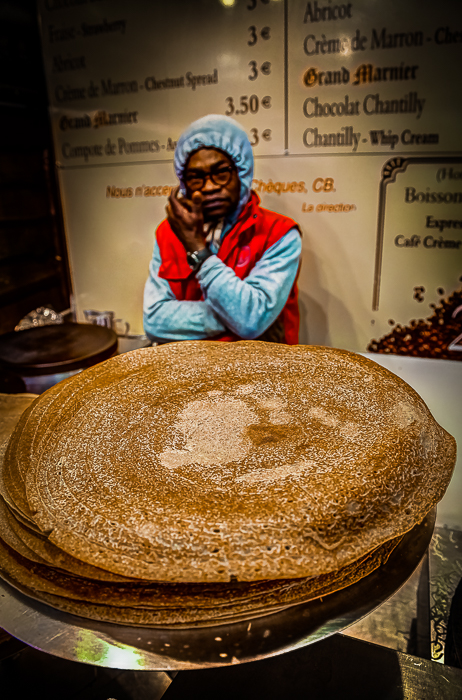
x: 193, y: 260
x: 196, y: 259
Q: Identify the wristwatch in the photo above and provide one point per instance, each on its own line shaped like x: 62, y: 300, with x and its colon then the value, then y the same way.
x: 196, y: 259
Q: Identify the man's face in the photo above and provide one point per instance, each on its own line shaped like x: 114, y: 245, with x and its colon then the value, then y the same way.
x: 220, y: 189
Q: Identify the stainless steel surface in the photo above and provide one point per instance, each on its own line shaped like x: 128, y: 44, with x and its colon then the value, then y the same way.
x: 336, y: 668
x: 39, y: 384
x: 445, y: 554
x: 401, y: 623
x: 129, y: 342
x: 392, y: 624
x: 422, y: 679
x: 116, y: 646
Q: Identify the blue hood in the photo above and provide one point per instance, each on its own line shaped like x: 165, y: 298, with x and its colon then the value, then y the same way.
x: 216, y: 131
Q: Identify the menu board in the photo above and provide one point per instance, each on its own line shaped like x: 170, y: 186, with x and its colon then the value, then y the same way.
x: 352, y: 112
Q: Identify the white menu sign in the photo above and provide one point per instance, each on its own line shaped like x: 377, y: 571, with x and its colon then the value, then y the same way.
x: 352, y: 110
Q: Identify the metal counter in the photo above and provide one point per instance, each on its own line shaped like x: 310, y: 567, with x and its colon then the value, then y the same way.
x: 411, y: 621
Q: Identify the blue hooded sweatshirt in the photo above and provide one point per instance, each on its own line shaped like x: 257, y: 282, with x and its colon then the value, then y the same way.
x: 246, y: 307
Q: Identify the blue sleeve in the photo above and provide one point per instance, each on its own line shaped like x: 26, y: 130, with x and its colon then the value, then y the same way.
x: 248, y: 307
x: 167, y: 319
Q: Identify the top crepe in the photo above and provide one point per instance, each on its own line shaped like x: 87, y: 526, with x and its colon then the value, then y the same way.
x: 205, y: 461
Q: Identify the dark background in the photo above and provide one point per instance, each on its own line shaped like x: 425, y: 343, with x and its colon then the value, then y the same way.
x: 34, y: 269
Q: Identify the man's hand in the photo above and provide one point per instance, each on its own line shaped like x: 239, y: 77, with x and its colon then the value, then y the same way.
x: 186, y: 219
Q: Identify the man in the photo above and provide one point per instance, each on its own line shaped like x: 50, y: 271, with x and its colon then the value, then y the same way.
x: 223, y: 268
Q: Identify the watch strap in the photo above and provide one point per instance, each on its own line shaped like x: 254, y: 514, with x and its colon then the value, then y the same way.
x: 196, y: 259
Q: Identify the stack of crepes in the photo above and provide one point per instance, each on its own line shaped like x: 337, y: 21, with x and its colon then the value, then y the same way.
x: 199, y: 483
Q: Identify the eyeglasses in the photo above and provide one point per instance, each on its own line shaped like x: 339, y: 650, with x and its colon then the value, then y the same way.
x: 195, y: 180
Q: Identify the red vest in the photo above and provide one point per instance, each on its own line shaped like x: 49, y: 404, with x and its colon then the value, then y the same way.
x: 255, y: 231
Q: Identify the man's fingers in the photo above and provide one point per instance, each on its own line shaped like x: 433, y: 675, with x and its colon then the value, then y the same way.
x: 180, y: 207
x: 185, y: 216
x: 174, y: 194
x: 175, y: 206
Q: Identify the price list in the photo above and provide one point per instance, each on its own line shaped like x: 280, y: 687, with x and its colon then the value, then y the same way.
x: 301, y: 77
x: 381, y: 82
x: 125, y: 80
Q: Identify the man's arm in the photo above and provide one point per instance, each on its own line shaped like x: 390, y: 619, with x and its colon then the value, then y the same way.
x: 248, y: 307
x: 167, y: 319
